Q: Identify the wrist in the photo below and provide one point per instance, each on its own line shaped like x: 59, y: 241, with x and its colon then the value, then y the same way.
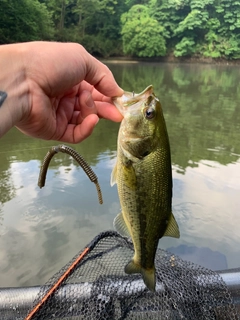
x: 13, y: 85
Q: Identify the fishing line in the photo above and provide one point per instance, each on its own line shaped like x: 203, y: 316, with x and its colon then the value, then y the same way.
x: 32, y: 149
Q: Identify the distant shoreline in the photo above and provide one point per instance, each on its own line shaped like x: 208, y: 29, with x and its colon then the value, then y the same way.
x: 171, y: 59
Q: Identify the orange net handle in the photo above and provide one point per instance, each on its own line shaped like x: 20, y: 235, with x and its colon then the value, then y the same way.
x: 56, y: 285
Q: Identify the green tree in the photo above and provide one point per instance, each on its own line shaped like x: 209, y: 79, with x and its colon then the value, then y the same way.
x: 228, y: 13
x: 142, y: 34
x: 93, y: 23
x: 145, y: 28
x: 186, y: 47
x: 169, y: 14
x: 98, y: 27
x: 192, y: 29
x: 207, y: 28
x: 24, y: 20
x: 62, y: 17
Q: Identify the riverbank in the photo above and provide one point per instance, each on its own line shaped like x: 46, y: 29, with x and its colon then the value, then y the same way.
x: 172, y: 59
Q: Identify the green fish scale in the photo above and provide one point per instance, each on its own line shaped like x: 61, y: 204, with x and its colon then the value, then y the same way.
x: 146, y: 203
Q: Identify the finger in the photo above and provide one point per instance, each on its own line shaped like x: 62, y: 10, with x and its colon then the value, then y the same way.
x: 94, y: 92
x: 56, y: 74
x: 77, y: 133
x: 86, y: 104
x: 75, y: 117
x: 98, y: 96
x: 96, y: 103
x: 108, y: 111
x: 99, y: 75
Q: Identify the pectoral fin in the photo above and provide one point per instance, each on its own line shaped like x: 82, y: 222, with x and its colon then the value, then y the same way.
x: 172, y: 228
x: 120, y: 226
x: 113, y: 176
x: 129, y: 176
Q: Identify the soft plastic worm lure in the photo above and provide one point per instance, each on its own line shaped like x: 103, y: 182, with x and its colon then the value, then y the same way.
x: 73, y: 153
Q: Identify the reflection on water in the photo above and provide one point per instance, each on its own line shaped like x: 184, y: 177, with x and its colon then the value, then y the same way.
x: 41, y: 230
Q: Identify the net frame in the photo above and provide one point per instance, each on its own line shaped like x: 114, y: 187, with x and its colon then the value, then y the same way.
x: 184, y: 290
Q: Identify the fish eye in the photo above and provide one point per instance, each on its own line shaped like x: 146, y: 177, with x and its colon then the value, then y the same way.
x: 150, y: 113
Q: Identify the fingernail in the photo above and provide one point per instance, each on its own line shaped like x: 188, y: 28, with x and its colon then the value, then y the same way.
x: 97, y: 121
x: 89, y: 102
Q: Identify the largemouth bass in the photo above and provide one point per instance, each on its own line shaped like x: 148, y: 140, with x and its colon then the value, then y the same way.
x: 143, y: 175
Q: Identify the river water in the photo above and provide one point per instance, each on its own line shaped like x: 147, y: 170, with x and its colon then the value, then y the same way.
x: 42, y: 229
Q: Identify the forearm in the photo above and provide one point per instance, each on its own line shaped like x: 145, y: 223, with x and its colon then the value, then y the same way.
x: 13, y: 87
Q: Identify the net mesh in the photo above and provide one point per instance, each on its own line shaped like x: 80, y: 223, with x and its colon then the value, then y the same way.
x: 93, y: 285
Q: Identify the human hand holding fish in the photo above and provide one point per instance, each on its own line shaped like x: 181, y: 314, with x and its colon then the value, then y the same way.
x: 54, y: 91
x: 143, y: 175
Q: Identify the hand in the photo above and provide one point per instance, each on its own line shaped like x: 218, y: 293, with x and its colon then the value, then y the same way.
x: 68, y: 91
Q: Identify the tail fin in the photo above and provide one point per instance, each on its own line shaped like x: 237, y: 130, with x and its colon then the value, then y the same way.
x: 148, y: 275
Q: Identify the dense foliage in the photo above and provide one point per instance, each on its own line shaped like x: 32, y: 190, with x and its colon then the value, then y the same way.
x: 147, y: 28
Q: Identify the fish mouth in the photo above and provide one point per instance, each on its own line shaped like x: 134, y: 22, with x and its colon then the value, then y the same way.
x: 131, y: 100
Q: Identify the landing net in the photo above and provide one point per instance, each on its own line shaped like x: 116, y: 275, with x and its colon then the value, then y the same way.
x: 93, y: 285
